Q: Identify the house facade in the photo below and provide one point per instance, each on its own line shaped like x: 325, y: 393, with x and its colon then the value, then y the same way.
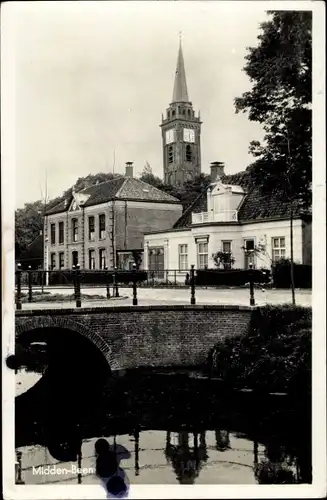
x: 103, y: 225
x: 231, y: 217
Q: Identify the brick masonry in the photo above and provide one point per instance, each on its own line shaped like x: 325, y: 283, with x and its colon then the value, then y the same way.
x: 146, y: 336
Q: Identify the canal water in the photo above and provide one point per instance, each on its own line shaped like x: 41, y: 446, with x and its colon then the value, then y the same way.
x: 165, y: 428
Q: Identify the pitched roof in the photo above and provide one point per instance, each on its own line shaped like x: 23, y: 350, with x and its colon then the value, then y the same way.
x: 123, y: 188
x: 255, y: 206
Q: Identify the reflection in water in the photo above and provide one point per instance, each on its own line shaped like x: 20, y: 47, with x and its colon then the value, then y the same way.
x: 186, y: 460
x: 158, y: 436
x: 222, y: 440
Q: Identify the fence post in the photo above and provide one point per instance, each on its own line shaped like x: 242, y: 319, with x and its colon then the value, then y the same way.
x: 107, y: 283
x: 252, y: 301
x: 30, y: 293
x: 18, y: 467
x: 134, y: 286
x: 77, y: 285
x: 19, y: 287
x: 115, y: 284
x: 192, y: 285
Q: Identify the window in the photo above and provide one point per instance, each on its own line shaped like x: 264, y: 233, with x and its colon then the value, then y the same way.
x: 102, y: 258
x: 170, y: 154
x: 189, y: 112
x: 91, y: 228
x: 202, y: 255
x: 53, y: 234
x: 278, y: 248
x: 75, y: 258
x: 184, y: 111
x: 53, y: 260
x: 61, y: 260
x: 74, y: 230
x: 188, y: 153
x: 227, y: 246
x: 91, y: 259
x: 183, y: 263
x: 249, y: 245
x: 102, y: 226
x: 61, y: 233
x: 168, y: 114
x: 173, y: 112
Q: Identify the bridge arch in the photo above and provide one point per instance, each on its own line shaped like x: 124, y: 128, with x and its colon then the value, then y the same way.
x: 65, y: 323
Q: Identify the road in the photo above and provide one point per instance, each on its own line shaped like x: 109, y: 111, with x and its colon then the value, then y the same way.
x: 157, y: 296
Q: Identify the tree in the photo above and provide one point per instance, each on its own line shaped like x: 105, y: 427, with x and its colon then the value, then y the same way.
x: 148, y: 176
x: 28, y: 223
x: 280, y: 99
x: 190, y: 190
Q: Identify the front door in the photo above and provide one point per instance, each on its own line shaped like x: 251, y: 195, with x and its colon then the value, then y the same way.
x: 156, y: 264
x: 249, y: 255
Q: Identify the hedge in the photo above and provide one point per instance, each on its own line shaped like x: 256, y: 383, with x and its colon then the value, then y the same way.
x: 281, y: 274
x: 231, y: 277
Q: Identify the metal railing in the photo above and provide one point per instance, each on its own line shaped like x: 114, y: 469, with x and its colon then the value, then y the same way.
x: 222, y: 216
x: 115, y: 279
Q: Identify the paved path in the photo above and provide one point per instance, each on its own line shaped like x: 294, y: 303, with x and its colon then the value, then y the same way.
x: 156, y: 296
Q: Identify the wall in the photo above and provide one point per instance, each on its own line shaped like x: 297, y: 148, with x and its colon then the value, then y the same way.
x: 265, y: 231
x: 146, y: 336
x: 140, y: 217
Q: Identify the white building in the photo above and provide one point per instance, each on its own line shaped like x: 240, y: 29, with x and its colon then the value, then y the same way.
x: 234, y: 217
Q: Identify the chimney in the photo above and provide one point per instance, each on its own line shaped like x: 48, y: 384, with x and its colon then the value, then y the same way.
x: 129, y: 169
x: 217, y: 170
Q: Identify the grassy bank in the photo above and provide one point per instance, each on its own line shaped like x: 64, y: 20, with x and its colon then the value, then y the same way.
x: 274, y: 356
x: 59, y: 297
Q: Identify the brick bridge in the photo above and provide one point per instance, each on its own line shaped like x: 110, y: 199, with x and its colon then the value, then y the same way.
x: 143, y: 336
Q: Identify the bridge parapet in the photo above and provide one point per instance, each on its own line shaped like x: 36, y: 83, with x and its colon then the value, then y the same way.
x: 145, y: 336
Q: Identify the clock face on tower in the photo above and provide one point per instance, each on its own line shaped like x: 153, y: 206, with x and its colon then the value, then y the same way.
x: 170, y: 136
x: 189, y: 135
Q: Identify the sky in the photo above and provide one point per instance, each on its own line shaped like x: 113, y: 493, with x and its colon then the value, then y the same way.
x: 93, y: 78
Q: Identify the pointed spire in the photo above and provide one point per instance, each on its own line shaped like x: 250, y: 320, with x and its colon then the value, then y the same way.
x: 180, y: 88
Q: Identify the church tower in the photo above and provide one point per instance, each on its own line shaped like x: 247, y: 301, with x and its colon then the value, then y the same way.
x: 181, y: 132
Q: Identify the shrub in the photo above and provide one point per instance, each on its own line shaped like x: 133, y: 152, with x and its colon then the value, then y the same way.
x: 275, y: 355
